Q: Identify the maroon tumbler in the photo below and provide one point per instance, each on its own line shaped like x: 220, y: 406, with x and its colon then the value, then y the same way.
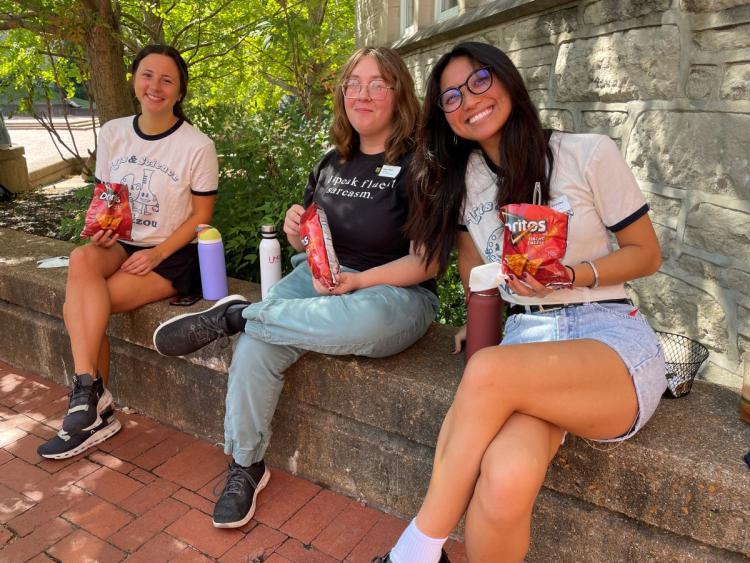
x: 483, y: 320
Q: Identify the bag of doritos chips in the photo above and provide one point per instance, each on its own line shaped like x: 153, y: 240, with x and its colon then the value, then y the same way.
x: 534, y: 241
x: 109, y: 209
x: 316, y: 237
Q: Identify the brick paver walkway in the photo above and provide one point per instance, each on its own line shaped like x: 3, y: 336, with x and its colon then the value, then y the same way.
x: 146, y: 495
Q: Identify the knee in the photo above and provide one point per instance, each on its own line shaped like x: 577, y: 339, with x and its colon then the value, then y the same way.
x: 254, y: 360
x: 82, y: 261
x: 507, y: 488
x: 482, y: 377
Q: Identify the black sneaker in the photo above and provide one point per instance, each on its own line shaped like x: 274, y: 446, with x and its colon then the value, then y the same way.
x: 236, y: 505
x: 66, y: 445
x: 88, y: 399
x: 387, y: 559
x: 184, y: 334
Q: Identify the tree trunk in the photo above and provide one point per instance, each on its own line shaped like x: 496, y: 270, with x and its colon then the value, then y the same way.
x: 104, y: 52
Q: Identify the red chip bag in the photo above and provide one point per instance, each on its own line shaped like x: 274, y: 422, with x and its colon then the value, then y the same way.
x: 534, y: 241
x: 316, y: 237
x: 109, y: 209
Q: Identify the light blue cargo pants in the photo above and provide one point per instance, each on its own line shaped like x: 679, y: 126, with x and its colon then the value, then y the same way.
x: 374, y: 322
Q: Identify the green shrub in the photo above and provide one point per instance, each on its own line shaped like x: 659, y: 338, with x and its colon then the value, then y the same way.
x: 452, y: 298
x: 265, y: 159
x: 73, y: 214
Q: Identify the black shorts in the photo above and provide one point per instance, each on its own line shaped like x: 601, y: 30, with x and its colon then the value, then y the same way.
x: 181, y: 268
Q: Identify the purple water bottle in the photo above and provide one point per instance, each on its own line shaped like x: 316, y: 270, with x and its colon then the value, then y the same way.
x: 212, y: 265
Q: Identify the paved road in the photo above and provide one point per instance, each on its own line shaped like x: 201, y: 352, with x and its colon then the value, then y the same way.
x: 38, y: 144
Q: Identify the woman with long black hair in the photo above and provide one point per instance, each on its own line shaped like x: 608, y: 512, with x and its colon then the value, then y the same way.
x: 580, y: 360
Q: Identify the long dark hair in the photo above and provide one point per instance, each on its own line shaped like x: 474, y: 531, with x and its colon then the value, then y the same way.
x: 172, y: 53
x: 405, y: 105
x: 437, y: 183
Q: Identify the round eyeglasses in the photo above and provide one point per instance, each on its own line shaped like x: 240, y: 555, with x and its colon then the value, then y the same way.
x: 377, y: 89
x: 477, y: 83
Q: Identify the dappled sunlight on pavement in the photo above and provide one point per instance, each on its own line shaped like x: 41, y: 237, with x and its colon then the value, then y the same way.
x: 147, y: 495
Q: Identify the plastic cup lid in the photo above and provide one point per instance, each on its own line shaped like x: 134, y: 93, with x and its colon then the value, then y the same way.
x: 208, y: 233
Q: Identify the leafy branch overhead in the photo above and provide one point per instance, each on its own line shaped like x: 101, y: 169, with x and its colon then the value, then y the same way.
x: 239, y: 51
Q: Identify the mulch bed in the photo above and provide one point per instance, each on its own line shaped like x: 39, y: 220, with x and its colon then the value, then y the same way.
x: 38, y: 213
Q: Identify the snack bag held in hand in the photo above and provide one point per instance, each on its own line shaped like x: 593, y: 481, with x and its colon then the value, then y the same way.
x: 316, y: 237
x: 534, y: 241
x: 109, y: 209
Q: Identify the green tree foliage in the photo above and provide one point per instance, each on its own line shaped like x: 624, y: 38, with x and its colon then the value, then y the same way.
x: 242, y: 51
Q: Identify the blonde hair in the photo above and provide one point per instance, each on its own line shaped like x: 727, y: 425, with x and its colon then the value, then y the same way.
x: 405, y: 105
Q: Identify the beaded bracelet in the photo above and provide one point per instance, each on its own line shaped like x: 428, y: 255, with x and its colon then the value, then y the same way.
x: 596, y: 274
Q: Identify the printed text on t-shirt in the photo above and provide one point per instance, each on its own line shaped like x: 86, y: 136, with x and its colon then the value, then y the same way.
x: 336, y: 185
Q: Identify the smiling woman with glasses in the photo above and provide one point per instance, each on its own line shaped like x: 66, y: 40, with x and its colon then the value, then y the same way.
x: 580, y: 359
x: 384, y: 298
x: 477, y: 83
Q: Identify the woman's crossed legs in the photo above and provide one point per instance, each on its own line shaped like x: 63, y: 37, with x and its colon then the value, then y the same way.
x: 505, y: 426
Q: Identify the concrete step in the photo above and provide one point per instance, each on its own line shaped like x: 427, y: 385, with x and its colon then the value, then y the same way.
x: 568, y: 529
x: 75, y: 123
x: 678, y: 491
x: 53, y: 172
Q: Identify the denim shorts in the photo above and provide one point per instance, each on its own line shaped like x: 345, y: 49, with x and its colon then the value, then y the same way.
x: 618, y: 325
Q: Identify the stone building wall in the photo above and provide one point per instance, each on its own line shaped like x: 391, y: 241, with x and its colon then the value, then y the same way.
x: 669, y: 80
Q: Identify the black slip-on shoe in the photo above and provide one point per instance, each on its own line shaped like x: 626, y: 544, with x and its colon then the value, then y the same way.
x: 185, y: 334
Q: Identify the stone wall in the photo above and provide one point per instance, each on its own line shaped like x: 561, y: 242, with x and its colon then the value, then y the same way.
x: 669, y: 80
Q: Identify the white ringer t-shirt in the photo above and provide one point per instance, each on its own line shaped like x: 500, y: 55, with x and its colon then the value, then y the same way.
x: 162, y: 173
x: 591, y: 178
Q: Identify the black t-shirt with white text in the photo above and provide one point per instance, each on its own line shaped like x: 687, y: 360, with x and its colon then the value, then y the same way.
x: 366, y: 204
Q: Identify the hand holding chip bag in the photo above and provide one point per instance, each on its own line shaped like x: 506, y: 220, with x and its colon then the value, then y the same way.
x: 316, y: 238
x: 534, y: 241
x: 109, y: 210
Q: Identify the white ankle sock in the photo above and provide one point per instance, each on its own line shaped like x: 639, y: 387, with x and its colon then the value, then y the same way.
x: 415, y: 547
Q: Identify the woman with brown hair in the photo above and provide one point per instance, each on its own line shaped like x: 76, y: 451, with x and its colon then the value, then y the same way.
x: 385, y: 298
x: 171, y: 173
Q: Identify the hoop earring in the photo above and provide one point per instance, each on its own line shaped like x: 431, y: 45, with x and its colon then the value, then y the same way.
x: 455, y: 139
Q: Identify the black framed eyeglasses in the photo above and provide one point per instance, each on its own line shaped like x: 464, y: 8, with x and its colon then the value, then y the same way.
x: 377, y: 89
x: 478, y: 82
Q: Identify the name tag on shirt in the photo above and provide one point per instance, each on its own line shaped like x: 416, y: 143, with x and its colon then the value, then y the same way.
x: 389, y: 171
x: 561, y: 204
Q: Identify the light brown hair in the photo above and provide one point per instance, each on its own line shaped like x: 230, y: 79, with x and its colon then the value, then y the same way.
x: 405, y: 105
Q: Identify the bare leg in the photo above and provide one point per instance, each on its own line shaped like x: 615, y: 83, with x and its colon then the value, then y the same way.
x: 579, y: 385
x: 498, y: 521
x: 127, y: 293
x: 102, y: 362
x: 87, y: 305
x: 96, y: 289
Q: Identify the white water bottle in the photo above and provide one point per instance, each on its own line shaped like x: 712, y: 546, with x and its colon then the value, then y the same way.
x: 270, y: 259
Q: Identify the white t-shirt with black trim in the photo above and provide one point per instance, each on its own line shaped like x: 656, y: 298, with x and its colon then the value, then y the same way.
x: 591, y: 178
x: 162, y: 172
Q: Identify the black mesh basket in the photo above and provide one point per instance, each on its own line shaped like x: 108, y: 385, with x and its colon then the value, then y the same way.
x: 684, y: 358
